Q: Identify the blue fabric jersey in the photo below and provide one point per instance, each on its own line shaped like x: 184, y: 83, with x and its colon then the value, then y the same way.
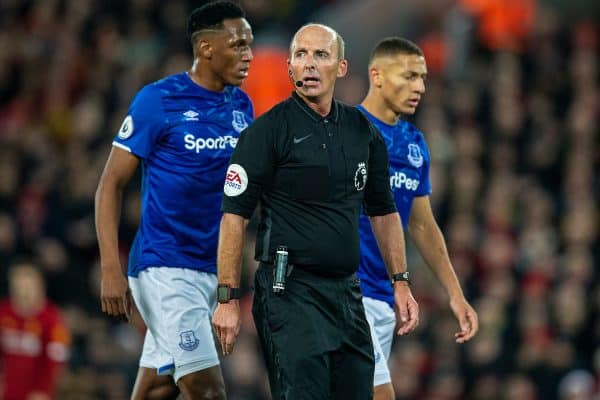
x: 409, y: 178
x: 184, y: 136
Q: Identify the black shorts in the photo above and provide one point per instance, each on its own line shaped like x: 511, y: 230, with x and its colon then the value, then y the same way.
x: 315, y: 337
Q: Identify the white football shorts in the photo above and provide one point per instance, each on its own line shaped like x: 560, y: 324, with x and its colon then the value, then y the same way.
x: 382, y: 321
x: 177, y: 306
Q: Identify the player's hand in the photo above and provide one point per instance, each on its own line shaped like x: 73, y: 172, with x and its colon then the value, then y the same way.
x: 114, y: 293
x: 467, y: 319
x: 226, y: 322
x: 406, y: 308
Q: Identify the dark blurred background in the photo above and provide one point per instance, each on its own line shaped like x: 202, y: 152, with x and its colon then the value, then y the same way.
x: 511, y: 118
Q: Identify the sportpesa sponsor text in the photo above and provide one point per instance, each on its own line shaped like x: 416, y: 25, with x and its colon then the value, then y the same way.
x: 399, y: 179
x: 218, y: 143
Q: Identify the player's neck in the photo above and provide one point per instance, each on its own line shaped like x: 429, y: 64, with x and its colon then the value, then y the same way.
x: 377, y: 107
x: 204, y: 78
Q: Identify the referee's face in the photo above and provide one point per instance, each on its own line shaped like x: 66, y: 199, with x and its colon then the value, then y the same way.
x: 401, y: 81
x: 315, y: 61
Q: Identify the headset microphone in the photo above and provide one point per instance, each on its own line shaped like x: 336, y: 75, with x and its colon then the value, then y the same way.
x: 298, y: 83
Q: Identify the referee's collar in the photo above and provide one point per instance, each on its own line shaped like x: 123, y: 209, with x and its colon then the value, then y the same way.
x: 332, y: 116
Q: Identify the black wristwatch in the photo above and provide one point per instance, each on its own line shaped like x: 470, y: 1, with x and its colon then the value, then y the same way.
x: 225, y: 293
x: 401, y: 277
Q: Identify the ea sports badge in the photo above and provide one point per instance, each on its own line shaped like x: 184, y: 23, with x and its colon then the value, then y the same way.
x: 126, y: 129
x: 236, y: 180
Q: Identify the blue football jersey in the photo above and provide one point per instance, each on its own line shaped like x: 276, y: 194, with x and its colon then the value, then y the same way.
x: 409, y: 178
x: 184, y: 136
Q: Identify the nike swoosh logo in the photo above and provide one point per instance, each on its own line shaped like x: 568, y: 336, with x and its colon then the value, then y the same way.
x: 303, y: 138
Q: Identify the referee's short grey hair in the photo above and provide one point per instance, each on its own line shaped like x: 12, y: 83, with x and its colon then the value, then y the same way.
x: 339, y: 39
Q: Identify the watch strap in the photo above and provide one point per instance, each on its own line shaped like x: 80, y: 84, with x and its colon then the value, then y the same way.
x: 401, y: 277
x: 235, y: 293
x: 225, y: 293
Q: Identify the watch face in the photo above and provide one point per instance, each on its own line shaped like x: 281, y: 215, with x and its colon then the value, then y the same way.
x: 222, y: 293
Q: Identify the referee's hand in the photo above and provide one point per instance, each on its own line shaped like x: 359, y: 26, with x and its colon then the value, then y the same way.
x: 406, y: 308
x: 226, y: 322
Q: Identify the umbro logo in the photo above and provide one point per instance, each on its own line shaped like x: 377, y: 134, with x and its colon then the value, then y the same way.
x: 301, y: 139
x: 191, y: 115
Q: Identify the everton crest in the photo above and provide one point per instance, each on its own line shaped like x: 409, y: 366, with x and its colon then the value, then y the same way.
x: 239, y: 121
x: 414, y: 155
x: 188, y: 340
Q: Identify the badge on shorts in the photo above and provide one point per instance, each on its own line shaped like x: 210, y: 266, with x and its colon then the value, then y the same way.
x: 188, y: 341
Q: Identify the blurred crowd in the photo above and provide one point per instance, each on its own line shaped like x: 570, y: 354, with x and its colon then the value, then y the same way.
x: 511, y: 116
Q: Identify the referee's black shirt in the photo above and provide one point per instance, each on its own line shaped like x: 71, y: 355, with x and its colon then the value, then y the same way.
x: 311, y: 175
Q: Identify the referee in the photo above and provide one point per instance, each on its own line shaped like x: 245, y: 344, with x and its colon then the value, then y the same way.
x: 312, y: 162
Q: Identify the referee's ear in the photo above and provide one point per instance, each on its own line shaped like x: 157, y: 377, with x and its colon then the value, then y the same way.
x: 342, y: 68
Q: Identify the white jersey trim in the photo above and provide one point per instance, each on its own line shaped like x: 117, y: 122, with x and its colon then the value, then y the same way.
x: 121, y: 146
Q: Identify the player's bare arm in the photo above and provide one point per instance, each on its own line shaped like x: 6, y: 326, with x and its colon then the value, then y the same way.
x: 431, y: 244
x: 119, y: 169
